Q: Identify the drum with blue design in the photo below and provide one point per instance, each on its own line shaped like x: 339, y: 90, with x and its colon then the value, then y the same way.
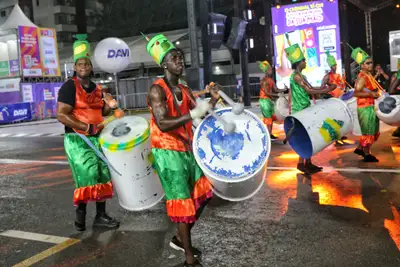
x: 126, y: 144
x: 234, y: 162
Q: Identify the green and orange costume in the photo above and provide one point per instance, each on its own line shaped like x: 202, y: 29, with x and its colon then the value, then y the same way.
x: 265, y: 101
x: 92, y: 176
x: 300, y: 98
x: 185, y: 186
x: 335, y: 78
x: 367, y: 118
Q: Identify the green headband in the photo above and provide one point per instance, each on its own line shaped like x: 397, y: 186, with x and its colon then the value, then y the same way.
x: 294, y: 52
x: 81, y: 47
x: 158, y: 47
x: 359, y: 55
x: 264, y: 65
x: 330, y: 59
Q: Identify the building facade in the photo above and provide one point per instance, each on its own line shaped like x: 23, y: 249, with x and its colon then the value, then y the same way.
x: 67, y: 16
x: 6, y: 6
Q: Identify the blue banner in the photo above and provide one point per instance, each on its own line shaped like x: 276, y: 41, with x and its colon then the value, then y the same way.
x: 15, y: 113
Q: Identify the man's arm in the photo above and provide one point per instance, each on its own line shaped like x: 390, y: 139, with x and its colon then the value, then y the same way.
x: 325, y: 81
x: 312, y: 90
x: 159, y: 109
x: 106, y: 109
x: 394, y: 83
x: 64, y: 115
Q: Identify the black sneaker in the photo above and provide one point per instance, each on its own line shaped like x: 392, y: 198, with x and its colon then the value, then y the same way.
x: 370, y: 158
x: 302, y: 167
x: 102, y: 220
x: 175, y: 244
x: 313, y: 168
x: 359, y: 152
x: 273, y: 137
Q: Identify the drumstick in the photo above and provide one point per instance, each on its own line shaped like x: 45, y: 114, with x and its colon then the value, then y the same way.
x: 228, y: 126
x: 118, y: 113
x: 237, y: 108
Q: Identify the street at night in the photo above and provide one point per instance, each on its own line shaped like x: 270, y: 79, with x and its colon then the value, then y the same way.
x: 347, y: 215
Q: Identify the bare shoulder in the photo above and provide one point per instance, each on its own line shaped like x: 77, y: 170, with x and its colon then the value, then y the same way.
x: 156, y: 93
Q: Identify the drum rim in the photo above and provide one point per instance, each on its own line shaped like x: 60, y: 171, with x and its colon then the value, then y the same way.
x: 127, y: 145
x: 243, y: 177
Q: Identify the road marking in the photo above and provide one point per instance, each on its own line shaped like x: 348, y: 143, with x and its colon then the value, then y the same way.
x: 20, y: 135
x: 55, y: 134
x: 4, y: 135
x: 35, y: 135
x: 17, y: 161
x: 47, y: 253
x: 34, y: 236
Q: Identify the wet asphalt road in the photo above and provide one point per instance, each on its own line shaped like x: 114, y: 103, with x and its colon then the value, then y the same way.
x: 341, y: 217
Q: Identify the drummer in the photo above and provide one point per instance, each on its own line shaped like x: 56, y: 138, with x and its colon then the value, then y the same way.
x: 172, y: 108
x: 333, y: 78
x: 267, y: 90
x: 80, y: 108
x: 301, y: 91
x: 366, y: 93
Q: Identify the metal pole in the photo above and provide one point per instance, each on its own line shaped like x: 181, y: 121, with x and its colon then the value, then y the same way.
x: 116, y: 87
x: 268, y: 34
x: 368, y: 31
x: 194, y: 49
x: 194, y: 71
x: 244, y: 61
x: 344, y: 31
x: 205, y: 40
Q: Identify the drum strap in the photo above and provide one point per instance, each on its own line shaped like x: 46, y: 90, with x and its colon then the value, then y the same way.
x: 186, y: 143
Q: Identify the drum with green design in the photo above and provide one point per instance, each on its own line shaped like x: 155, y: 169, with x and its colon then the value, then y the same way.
x: 126, y: 144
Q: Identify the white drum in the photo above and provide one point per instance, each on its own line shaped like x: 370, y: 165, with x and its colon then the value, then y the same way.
x: 314, y: 128
x: 282, y: 107
x: 126, y: 144
x: 351, y: 102
x: 388, y: 109
x: 235, y: 162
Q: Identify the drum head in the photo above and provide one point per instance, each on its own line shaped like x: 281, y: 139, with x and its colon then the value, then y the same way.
x: 125, y: 133
x: 231, y: 157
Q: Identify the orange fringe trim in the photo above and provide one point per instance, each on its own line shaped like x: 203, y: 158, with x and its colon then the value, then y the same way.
x: 96, y: 192
x: 184, y: 210
x: 367, y: 140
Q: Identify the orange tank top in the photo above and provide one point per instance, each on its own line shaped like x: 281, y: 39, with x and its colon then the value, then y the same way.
x: 181, y: 138
x: 88, y: 107
x: 337, y: 79
x: 369, y: 101
x: 270, y: 85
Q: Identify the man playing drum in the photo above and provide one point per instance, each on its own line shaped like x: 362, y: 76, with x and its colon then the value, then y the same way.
x: 301, y: 91
x: 366, y: 92
x: 81, y: 108
x: 267, y: 90
x: 172, y: 107
x: 333, y: 78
